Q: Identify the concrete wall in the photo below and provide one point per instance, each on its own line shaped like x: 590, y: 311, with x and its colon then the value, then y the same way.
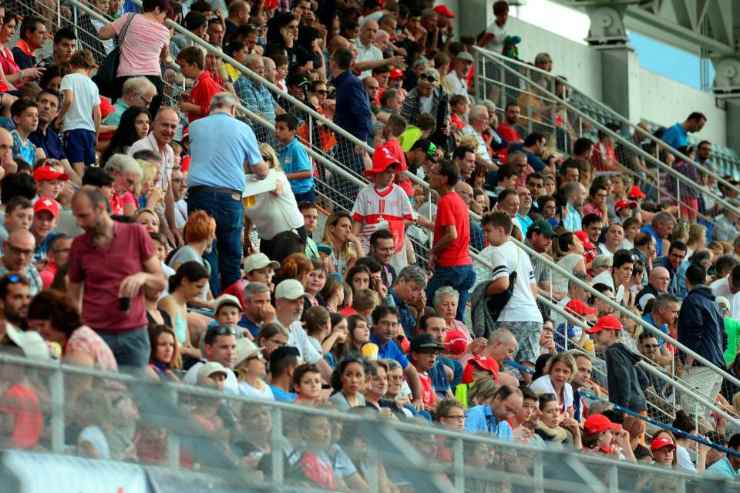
x: 666, y: 102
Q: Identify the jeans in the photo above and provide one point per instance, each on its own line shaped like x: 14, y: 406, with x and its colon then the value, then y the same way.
x: 228, y: 211
x: 131, y: 348
x: 309, y: 196
x: 461, y: 278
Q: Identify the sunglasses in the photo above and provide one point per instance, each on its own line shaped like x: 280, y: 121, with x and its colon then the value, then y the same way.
x: 428, y: 78
x: 222, y: 330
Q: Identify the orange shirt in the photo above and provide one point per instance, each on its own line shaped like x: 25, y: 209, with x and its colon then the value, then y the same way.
x: 22, y: 404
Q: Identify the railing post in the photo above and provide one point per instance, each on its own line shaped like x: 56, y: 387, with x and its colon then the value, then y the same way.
x: 613, y: 479
x: 56, y: 389
x: 538, y: 473
x: 173, y: 440
x: 276, y: 446
x: 459, y: 464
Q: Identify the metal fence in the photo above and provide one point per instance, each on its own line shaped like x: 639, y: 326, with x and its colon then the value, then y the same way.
x: 275, y: 446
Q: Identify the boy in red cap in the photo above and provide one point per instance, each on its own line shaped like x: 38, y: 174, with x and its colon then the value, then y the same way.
x: 623, y: 376
x: 382, y: 204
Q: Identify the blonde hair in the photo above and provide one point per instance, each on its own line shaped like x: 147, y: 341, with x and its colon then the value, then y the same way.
x: 696, y: 233
x: 267, y: 151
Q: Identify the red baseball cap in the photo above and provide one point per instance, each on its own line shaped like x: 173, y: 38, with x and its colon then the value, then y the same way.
x: 636, y: 193
x: 444, y: 10
x: 580, y: 308
x: 598, y: 423
x: 456, y: 342
x: 480, y: 363
x: 607, y: 322
x: 625, y: 204
x: 661, y: 442
x: 382, y: 159
x: 47, y: 204
x: 46, y: 172
x: 583, y: 236
x: 396, y: 74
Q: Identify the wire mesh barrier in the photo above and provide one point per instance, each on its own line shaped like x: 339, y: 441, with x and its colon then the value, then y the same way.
x: 256, y: 445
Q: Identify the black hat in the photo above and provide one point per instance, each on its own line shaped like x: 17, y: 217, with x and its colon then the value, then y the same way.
x: 425, y: 343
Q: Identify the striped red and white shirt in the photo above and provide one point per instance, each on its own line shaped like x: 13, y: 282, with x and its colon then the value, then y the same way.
x: 378, y: 209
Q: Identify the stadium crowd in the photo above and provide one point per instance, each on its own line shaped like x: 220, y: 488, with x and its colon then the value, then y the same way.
x: 183, y: 242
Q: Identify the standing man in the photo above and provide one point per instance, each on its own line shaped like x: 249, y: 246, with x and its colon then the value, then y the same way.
x: 701, y: 329
x: 114, y: 262
x: 217, y: 179
x: 353, y: 107
x: 677, y: 136
x: 449, y: 256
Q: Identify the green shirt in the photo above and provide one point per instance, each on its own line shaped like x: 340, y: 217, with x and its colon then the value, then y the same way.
x: 732, y: 328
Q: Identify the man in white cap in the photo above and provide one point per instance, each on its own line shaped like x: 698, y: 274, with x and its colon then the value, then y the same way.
x: 457, y: 77
x: 289, y: 308
x: 220, y: 347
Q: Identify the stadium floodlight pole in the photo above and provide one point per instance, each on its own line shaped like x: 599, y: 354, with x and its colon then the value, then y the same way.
x: 500, y: 59
x: 622, y: 310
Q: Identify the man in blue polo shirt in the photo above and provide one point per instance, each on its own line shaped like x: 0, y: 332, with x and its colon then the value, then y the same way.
x: 678, y: 135
x: 221, y: 146
x: 492, y: 418
x: 385, y: 326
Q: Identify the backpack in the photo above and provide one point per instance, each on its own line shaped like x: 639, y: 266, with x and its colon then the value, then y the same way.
x: 485, y: 309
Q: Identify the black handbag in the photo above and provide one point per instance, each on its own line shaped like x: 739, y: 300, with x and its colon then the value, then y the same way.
x: 105, y: 78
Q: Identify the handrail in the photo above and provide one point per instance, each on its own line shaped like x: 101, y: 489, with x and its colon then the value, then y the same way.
x: 613, y: 114
x: 619, y: 138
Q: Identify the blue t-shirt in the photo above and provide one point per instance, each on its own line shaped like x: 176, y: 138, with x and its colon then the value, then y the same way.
x: 676, y: 136
x: 390, y: 351
x: 293, y: 159
x: 25, y: 150
x: 481, y: 419
x: 721, y: 468
x: 281, y: 395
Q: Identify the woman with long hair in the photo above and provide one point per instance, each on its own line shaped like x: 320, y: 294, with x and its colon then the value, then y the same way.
x: 188, y: 282
x: 11, y: 74
x: 345, y: 245
x: 559, y: 371
x: 271, y: 337
x: 134, y: 125
x: 165, y: 354
x: 348, y: 382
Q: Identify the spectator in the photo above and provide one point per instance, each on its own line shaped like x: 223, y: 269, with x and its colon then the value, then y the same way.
x: 574, y: 194
x: 57, y: 257
x: 65, y: 44
x: 294, y: 160
x: 80, y: 111
x: 385, y: 324
x: 32, y: 37
x: 197, y: 104
x: 112, y: 284
x: 701, y: 329
x: 159, y: 142
x: 256, y: 96
x: 15, y: 296
x: 346, y: 246
x: 554, y: 427
x: 449, y: 255
x: 457, y: 78
x: 45, y: 216
x: 138, y: 92
x: 658, y: 281
x: 427, y: 97
x: 218, y: 346
x: 727, y: 466
x: 165, y: 356
x: 133, y: 126
x: 25, y: 117
x: 348, y: 380
x: 493, y: 418
x: 353, y: 108
x: 283, y: 362
x: 672, y: 263
x: 511, y: 265
x: 660, y: 229
x: 216, y: 182
x: 408, y: 297
x: 424, y: 351
x: 678, y: 135
x: 137, y: 58
x: 559, y: 370
x: 17, y: 258
x: 44, y: 137
x: 623, y: 377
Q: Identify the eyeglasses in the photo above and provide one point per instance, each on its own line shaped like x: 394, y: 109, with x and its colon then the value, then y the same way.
x: 146, y: 101
x: 428, y: 78
x: 266, y: 158
x: 221, y: 330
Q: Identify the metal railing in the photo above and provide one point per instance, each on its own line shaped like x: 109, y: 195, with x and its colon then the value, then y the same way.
x: 356, y: 181
x: 599, y: 112
x: 260, y: 449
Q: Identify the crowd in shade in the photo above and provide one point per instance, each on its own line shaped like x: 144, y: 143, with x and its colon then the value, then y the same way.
x: 149, y: 227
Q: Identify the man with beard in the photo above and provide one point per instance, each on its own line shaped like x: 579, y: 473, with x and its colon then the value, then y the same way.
x: 17, y: 254
x: 15, y: 296
x: 575, y: 194
x: 113, y: 300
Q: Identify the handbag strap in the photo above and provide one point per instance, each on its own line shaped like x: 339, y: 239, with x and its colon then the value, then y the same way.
x: 122, y: 34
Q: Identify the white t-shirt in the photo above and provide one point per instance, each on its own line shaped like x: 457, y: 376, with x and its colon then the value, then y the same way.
x: 735, y: 306
x: 246, y: 390
x: 298, y: 338
x: 505, y: 259
x: 425, y: 104
x: 683, y: 459
x: 231, y: 385
x: 370, y: 53
x: 86, y: 98
x: 273, y: 214
x: 543, y: 385
x: 376, y: 208
x: 457, y: 86
x: 499, y: 35
x: 721, y: 287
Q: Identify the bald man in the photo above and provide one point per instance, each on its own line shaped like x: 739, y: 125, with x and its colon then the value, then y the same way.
x: 658, y: 283
x: 17, y: 255
x: 501, y: 346
x: 369, y: 56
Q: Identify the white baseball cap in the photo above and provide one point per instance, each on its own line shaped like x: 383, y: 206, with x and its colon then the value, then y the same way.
x: 289, y: 289
x: 227, y: 299
x: 210, y: 368
x: 245, y: 349
x: 259, y: 261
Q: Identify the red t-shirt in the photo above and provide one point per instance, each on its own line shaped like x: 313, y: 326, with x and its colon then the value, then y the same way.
x: 451, y: 210
x: 510, y: 135
x: 201, y: 94
x: 102, y: 270
x: 428, y: 396
x: 22, y: 403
